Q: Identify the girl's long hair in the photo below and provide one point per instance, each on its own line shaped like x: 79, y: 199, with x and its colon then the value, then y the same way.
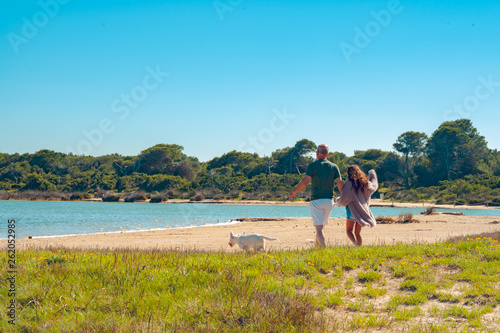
x: 358, y: 178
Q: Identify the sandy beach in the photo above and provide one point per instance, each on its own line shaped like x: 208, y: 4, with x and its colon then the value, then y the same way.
x: 374, y: 203
x: 294, y: 233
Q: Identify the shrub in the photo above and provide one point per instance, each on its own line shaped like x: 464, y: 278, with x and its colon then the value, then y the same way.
x: 209, y: 193
x: 199, y: 197
x: 111, y: 198
x: 234, y: 195
x: 161, y: 182
x: 406, y: 218
x: 172, y: 194
x: 87, y: 196
x: 385, y: 220
x: 476, y: 201
x: 158, y: 198
x: 268, y: 196
x: 76, y: 196
x: 447, y: 199
x: 460, y: 202
x: 495, y: 201
x: 136, y: 197
x: 254, y: 196
x: 429, y: 211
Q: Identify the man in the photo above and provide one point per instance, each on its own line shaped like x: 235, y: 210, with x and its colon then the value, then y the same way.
x: 323, y: 173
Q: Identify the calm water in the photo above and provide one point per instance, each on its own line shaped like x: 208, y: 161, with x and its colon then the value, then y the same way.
x: 52, y: 218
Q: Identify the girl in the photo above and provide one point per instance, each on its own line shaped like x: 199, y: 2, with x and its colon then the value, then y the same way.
x: 358, y: 188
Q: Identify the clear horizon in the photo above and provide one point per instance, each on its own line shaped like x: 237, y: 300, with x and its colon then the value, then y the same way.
x: 119, y: 77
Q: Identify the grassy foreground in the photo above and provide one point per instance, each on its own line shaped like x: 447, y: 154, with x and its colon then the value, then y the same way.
x: 445, y: 287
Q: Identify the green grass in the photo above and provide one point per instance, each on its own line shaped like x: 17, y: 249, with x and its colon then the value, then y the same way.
x: 371, y: 292
x: 406, y: 314
x: 450, y: 286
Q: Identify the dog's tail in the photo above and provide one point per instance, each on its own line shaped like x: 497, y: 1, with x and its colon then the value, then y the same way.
x: 270, y: 238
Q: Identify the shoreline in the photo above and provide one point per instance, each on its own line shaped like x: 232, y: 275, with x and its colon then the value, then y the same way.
x: 374, y: 203
x: 294, y: 233
x: 229, y: 223
x: 239, y: 220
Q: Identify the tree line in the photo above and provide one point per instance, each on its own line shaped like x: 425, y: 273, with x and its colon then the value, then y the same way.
x: 453, y: 164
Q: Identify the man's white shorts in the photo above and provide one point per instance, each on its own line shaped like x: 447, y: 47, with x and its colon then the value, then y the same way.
x: 320, y: 210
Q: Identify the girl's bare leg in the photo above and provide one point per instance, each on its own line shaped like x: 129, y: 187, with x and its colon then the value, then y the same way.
x: 349, y: 227
x: 357, y: 233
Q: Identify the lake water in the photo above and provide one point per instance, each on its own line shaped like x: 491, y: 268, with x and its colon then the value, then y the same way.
x: 57, y: 218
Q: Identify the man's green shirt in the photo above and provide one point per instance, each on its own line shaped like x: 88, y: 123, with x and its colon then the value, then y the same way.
x: 323, y: 174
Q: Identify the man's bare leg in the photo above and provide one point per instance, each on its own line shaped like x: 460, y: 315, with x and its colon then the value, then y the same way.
x: 320, y: 237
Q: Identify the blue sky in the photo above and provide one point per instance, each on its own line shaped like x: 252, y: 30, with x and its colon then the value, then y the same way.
x: 95, y: 77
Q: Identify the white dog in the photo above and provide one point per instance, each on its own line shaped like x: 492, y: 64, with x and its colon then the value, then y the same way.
x: 250, y: 241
